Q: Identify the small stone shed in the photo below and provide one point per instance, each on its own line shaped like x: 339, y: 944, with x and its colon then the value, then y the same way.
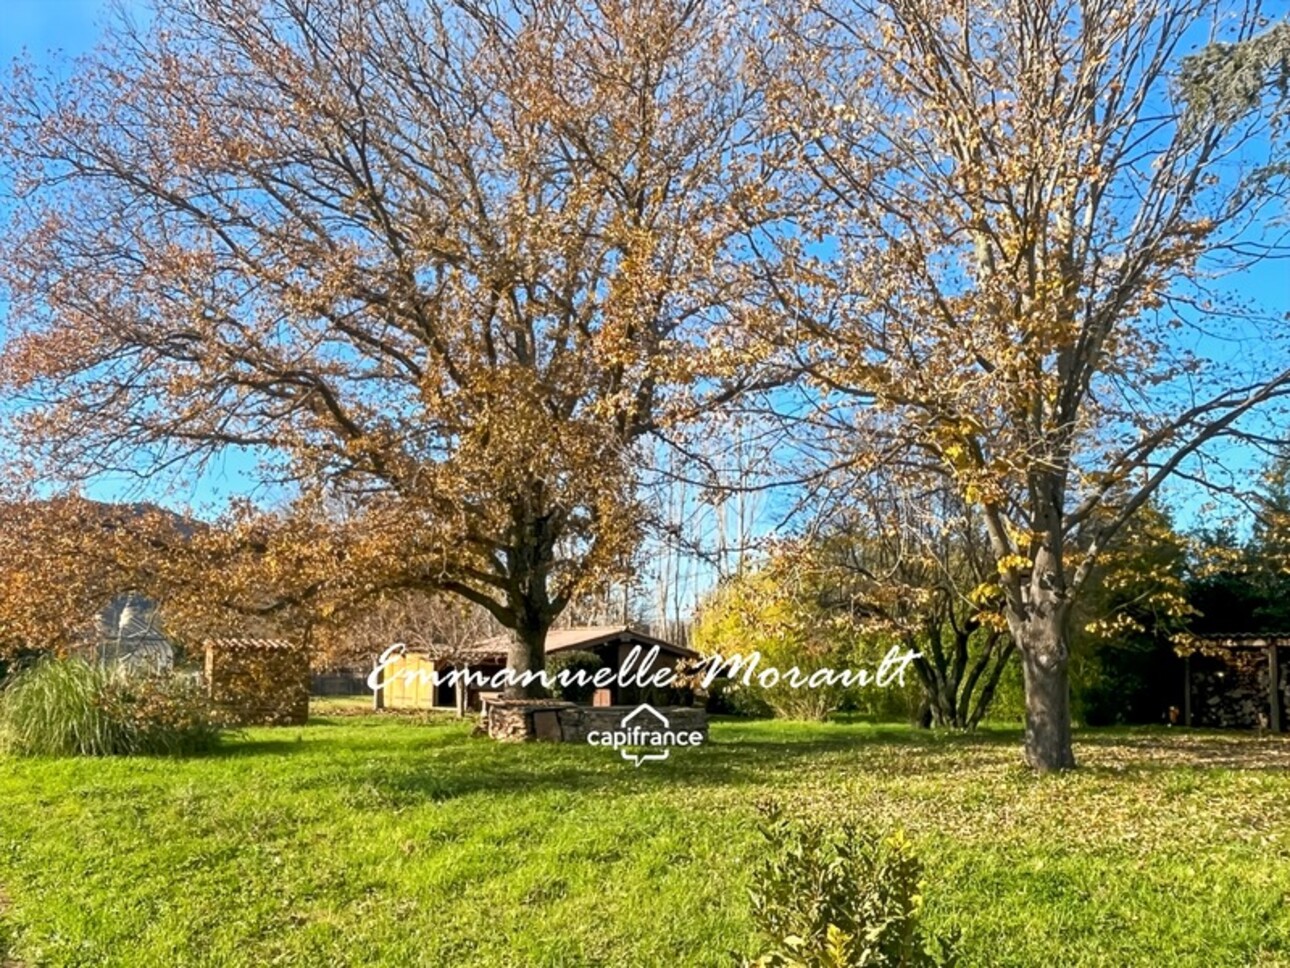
x: 260, y: 682
x: 1238, y: 681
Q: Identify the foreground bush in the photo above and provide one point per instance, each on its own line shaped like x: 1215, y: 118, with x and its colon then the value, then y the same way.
x: 837, y: 897
x: 70, y: 707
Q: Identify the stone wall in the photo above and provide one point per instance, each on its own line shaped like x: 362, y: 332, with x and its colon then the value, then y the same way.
x: 259, y: 682
x: 518, y: 720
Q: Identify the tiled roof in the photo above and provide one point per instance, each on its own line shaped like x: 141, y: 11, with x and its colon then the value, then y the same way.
x: 585, y: 637
x: 249, y: 645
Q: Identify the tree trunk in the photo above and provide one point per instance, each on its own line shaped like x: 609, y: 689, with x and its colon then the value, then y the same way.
x: 943, y: 707
x: 1045, y: 662
x: 461, y: 698
x: 986, y: 696
x: 922, y: 717
x: 527, y: 653
x: 950, y: 687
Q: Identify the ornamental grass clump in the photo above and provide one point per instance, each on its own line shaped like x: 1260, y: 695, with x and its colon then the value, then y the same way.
x: 70, y: 707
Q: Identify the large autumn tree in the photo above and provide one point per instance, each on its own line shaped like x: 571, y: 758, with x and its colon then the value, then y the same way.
x: 1018, y: 210
x: 437, y: 267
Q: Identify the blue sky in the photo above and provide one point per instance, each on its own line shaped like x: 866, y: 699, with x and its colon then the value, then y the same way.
x: 52, y: 32
x: 42, y: 26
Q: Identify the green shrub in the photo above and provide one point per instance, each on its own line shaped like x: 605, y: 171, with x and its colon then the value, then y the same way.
x: 573, y: 661
x: 783, y: 612
x: 838, y: 897
x: 165, y: 714
x: 729, y: 698
x: 70, y: 707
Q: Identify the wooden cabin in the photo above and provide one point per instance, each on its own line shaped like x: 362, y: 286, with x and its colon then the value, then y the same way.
x: 408, y: 683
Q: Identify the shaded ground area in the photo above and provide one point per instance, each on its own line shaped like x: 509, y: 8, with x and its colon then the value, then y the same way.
x: 395, y: 841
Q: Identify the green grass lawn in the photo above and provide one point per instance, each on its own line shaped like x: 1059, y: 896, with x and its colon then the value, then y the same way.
x: 397, y: 841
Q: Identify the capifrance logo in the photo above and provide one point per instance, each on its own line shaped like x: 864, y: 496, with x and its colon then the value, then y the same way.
x: 644, y: 734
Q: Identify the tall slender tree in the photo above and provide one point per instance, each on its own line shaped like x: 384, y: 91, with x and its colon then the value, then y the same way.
x: 1017, y: 208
